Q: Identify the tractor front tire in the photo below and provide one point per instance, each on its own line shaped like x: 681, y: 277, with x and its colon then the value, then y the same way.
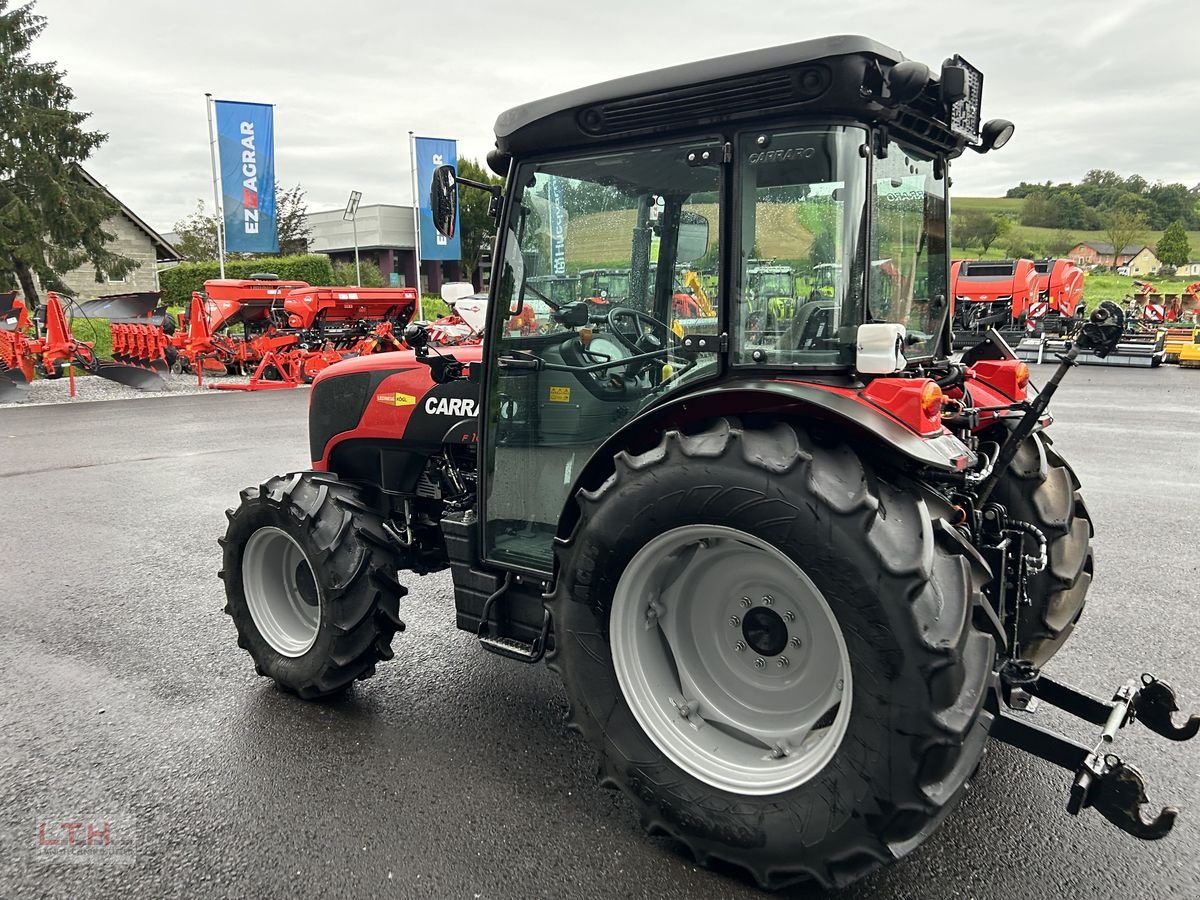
x: 730, y: 585
x: 310, y: 578
x: 1040, y: 488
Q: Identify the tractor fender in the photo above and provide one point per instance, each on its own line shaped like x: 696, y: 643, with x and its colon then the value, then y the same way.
x: 868, y: 426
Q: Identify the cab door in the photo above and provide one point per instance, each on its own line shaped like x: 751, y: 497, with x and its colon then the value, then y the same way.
x: 567, y: 375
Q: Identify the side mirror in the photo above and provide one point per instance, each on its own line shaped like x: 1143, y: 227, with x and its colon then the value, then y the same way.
x: 693, y: 237
x: 880, y: 349
x: 443, y: 200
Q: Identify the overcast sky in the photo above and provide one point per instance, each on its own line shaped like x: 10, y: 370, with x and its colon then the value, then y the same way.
x: 1089, y: 84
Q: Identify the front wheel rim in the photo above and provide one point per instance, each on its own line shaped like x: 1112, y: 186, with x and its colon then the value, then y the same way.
x: 281, y: 591
x: 730, y: 659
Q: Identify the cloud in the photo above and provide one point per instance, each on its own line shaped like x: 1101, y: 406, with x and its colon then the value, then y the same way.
x: 1088, y: 86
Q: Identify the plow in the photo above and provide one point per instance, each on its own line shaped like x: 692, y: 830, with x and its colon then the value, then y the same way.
x: 43, y: 344
x: 281, y: 334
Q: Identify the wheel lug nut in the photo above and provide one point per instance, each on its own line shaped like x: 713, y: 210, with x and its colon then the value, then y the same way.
x: 789, y: 616
x: 795, y: 642
x: 746, y: 601
x: 734, y: 621
x: 768, y: 600
x: 739, y: 646
x: 782, y: 662
x: 760, y: 663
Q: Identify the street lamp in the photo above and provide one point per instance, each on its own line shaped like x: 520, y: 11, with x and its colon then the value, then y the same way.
x: 351, y: 213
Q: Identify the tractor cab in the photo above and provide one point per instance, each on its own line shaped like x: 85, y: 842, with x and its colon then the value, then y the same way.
x: 850, y: 154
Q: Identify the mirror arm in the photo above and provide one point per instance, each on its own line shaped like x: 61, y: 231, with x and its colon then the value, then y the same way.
x: 494, y: 189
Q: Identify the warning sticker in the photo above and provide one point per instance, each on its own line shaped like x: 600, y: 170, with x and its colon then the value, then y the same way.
x: 561, y: 394
x: 397, y: 399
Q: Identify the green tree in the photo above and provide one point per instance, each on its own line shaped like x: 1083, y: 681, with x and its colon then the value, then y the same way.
x: 51, y: 217
x: 979, y: 228
x: 1122, y: 227
x: 474, y: 220
x: 291, y: 220
x: 372, y: 276
x: 1061, y: 243
x: 197, y: 234
x: 1020, y: 249
x: 1173, y: 247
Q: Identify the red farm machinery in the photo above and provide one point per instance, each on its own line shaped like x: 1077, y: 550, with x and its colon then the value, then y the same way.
x: 1025, y: 300
x: 991, y: 293
x: 281, y: 333
x: 793, y: 582
x: 43, y: 344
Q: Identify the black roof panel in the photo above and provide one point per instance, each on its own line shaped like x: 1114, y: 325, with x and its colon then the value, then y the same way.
x: 751, y: 62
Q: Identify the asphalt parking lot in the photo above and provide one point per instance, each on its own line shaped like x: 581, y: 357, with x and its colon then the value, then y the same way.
x: 123, y: 697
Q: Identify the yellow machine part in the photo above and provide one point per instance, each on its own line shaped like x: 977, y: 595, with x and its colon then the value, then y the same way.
x: 1189, y: 356
x: 691, y: 281
x: 1176, y: 339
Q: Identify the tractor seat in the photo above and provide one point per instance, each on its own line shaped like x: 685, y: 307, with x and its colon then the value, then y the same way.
x: 805, y: 326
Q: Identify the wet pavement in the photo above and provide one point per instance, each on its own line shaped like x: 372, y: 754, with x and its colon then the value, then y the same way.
x: 123, y: 698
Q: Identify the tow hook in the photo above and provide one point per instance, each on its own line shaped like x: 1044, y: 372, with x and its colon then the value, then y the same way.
x: 1103, y: 781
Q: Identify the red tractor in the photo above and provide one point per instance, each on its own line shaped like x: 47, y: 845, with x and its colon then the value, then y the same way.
x: 991, y: 293
x: 793, y: 584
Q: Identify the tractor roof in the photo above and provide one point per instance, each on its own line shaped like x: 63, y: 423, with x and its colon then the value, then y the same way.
x: 843, y: 75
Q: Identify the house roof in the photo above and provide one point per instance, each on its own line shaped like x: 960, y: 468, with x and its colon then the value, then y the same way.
x: 1106, y: 249
x: 163, y: 251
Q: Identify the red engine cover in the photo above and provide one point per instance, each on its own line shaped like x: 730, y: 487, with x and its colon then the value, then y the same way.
x: 404, y: 402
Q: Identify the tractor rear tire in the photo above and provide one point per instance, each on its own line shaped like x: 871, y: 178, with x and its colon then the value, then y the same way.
x: 900, y: 586
x: 310, y: 576
x: 1040, y: 488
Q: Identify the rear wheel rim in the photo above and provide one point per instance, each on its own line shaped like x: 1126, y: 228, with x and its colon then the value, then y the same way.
x: 281, y: 591
x: 730, y: 659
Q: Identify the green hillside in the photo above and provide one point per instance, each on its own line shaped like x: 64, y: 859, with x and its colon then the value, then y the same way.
x: 1036, y: 239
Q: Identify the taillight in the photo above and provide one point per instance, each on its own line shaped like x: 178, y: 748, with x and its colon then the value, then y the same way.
x: 1008, y: 376
x: 931, y: 402
x: 1022, y: 376
x: 916, y: 402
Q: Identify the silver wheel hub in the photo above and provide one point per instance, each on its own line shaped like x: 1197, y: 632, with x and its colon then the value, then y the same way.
x: 281, y: 591
x: 730, y: 659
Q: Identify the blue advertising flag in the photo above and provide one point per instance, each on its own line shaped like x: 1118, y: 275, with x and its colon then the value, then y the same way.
x: 246, y: 144
x: 558, y: 226
x: 431, y: 153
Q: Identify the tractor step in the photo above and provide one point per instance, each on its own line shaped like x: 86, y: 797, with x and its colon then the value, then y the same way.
x: 503, y: 645
x: 512, y: 648
x: 1103, y: 780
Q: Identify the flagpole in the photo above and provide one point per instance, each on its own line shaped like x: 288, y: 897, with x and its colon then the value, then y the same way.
x: 412, y: 155
x: 212, y: 152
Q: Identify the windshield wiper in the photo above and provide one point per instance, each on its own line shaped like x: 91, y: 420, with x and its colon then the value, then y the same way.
x: 555, y: 306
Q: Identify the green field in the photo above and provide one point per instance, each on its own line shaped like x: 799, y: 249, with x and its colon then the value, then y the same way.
x: 1037, y: 239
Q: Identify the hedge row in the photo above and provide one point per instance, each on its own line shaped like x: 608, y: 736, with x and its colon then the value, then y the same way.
x: 179, y: 282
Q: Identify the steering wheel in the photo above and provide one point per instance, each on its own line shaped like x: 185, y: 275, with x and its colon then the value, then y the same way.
x: 633, y: 344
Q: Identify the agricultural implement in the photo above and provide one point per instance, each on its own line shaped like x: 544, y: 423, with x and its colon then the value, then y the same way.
x: 44, y: 345
x: 282, y: 332
x: 991, y: 294
x: 793, y: 583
